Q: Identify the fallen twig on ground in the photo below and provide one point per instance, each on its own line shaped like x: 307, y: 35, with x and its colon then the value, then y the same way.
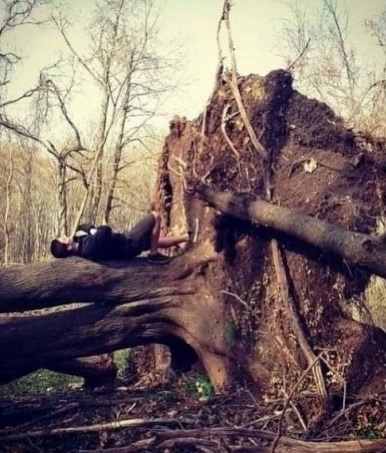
x: 60, y: 411
x: 284, y: 445
x: 133, y: 423
x: 288, y: 400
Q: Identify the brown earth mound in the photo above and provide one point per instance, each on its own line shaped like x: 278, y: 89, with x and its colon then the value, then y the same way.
x: 319, y: 168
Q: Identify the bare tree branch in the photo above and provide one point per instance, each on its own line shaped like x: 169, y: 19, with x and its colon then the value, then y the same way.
x: 61, y: 27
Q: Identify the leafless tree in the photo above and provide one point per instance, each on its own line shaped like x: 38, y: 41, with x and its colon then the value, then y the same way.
x: 326, y: 60
x: 19, y: 13
x: 8, y: 193
x: 15, y: 13
x: 127, y: 72
x: 28, y: 217
x: 93, y: 166
x: 377, y: 89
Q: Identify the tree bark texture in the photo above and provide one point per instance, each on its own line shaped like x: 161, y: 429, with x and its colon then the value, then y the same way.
x: 97, y: 371
x: 134, y: 303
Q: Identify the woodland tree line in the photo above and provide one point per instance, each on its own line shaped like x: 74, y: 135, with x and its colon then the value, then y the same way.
x: 56, y: 170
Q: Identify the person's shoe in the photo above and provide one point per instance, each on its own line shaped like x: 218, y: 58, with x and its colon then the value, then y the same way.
x: 158, y: 258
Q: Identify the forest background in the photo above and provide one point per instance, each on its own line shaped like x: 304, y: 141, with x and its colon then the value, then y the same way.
x: 88, y: 88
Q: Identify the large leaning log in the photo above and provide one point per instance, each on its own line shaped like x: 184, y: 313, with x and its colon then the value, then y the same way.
x: 358, y: 249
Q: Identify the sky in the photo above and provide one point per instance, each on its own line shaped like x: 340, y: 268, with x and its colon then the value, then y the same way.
x: 192, y: 24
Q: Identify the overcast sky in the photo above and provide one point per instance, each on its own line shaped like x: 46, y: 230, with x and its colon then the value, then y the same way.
x: 192, y: 24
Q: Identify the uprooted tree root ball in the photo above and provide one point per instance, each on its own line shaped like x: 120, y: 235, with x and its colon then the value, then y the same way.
x: 318, y: 168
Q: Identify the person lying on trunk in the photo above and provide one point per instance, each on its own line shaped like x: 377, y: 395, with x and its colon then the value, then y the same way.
x: 101, y: 243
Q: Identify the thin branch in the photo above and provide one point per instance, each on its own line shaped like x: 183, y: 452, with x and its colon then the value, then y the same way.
x: 25, y: 95
x: 332, y: 9
x: 302, y: 53
x: 232, y: 81
x: 296, y: 410
x: 153, y: 443
x: 50, y: 147
x: 60, y: 27
x: 295, y: 322
x: 65, y: 113
x: 238, y: 298
x: 285, y: 443
x: 121, y: 424
x: 20, y: 130
x: 288, y: 400
x: 224, y: 119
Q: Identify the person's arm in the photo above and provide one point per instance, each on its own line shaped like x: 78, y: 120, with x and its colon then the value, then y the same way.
x: 85, y: 229
x: 103, y: 232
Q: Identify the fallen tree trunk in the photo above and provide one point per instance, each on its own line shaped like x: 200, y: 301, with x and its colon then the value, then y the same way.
x: 78, y: 280
x: 96, y: 371
x: 356, y: 248
x: 142, y: 304
x: 285, y: 444
x: 225, y: 304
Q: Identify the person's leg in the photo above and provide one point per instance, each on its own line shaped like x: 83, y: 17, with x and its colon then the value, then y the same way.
x: 146, y: 236
x: 155, y: 234
x: 140, y: 235
x: 166, y: 242
x: 163, y: 242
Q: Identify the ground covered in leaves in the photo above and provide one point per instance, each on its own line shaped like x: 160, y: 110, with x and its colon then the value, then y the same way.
x: 183, y: 417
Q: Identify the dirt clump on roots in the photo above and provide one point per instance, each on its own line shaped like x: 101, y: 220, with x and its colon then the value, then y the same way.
x: 319, y: 168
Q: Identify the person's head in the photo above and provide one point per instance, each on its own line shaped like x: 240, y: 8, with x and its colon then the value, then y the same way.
x: 63, y: 247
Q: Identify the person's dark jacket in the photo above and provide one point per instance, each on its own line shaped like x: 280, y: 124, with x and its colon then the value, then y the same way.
x: 102, y: 244
x: 83, y: 230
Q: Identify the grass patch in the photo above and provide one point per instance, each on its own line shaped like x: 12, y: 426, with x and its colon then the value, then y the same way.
x: 199, y: 385
x: 41, y: 381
